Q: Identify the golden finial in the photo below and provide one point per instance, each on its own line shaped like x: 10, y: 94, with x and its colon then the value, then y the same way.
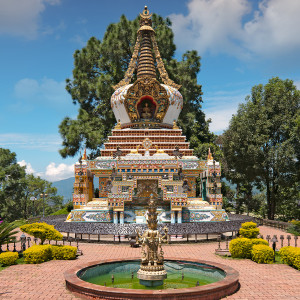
x: 118, y: 126
x: 209, y: 156
x: 84, y: 154
x: 146, y: 14
x: 175, y: 125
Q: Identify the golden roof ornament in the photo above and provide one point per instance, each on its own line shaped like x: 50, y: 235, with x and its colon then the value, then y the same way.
x: 84, y: 154
x: 159, y: 151
x: 118, y: 126
x: 209, y: 156
x: 175, y: 125
x: 135, y: 151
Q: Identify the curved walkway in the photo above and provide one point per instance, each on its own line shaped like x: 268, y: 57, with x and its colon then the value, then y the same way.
x: 46, y: 281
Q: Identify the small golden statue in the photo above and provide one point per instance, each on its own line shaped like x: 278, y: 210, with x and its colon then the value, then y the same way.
x: 118, y: 126
x: 146, y: 114
x: 152, y: 272
x: 175, y: 125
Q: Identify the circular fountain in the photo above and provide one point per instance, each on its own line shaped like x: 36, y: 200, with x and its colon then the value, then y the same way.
x: 152, y: 277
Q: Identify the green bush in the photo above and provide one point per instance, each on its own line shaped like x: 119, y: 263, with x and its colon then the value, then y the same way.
x: 40, y: 253
x: 241, y: 247
x: 249, y: 230
x: 64, y: 252
x: 262, y: 254
x: 8, y: 258
x: 37, y: 254
x: 291, y: 256
x: 259, y: 242
x: 43, y: 231
x: 249, y: 225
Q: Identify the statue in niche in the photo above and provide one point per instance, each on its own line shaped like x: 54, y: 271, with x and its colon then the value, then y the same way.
x: 146, y: 114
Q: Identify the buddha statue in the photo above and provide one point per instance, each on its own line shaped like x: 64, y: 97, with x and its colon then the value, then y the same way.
x: 146, y: 114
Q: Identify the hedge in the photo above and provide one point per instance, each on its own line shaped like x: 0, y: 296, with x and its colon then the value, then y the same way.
x: 40, y: 253
x: 8, y: 258
x: 291, y: 256
x: 262, y: 254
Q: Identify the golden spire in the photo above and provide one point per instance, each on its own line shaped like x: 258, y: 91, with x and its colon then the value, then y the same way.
x: 209, y: 156
x: 142, y: 58
x: 146, y: 67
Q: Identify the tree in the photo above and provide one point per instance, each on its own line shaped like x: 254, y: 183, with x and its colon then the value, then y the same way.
x: 97, y: 68
x: 7, y: 232
x: 33, y: 187
x: 16, y: 189
x: 261, y: 144
x: 11, y: 189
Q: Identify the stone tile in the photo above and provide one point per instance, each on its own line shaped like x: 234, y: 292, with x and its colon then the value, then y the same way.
x: 46, y: 281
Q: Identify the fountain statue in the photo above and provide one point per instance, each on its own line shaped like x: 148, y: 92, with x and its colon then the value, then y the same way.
x: 152, y: 272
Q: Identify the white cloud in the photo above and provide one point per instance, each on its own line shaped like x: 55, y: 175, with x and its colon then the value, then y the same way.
x: 58, y: 172
x: 28, y: 169
x: 21, y: 18
x: 41, y: 142
x: 46, y: 91
x: 219, y: 106
x: 297, y: 84
x: 53, y: 172
x: 234, y: 27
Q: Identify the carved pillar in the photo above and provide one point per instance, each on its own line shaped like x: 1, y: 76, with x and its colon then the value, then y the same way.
x: 172, y: 217
x: 115, y: 217
x: 121, y: 217
x: 179, y: 217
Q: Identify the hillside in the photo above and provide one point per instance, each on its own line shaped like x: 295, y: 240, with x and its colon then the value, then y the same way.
x: 65, y: 188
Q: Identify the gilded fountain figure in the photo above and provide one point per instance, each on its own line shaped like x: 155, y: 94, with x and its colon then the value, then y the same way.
x: 152, y: 271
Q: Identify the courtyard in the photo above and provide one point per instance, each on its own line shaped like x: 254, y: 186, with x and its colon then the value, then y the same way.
x: 46, y: 280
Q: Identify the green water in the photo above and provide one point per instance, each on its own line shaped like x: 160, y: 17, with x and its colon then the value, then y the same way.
x: 122, y: 272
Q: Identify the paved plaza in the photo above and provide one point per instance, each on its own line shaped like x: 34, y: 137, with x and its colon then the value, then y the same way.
x: 46, y: 281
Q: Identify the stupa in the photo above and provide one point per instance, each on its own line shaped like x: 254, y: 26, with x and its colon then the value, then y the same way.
x: 146, y: 153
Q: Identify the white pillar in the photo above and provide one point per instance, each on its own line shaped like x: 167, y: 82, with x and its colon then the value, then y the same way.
x: 121, y: 217
x: 115, y: 217
x: 172, y: 217
x: 179, y: 217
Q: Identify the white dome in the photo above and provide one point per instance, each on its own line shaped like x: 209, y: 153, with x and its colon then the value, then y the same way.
x: 174, y: 97
x: 117, y: 104
x: 175, y: 104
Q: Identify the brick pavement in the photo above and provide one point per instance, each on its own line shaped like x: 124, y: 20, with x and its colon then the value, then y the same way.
x: 46, y: 281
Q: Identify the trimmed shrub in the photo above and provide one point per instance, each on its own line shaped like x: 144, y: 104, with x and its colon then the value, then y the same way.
x: 262, y: 254
x: 249, y: 230
x: 241, y: 247
x: 37, y: 254
x: 43, y: 231
x: 8, y: 258
x: 249, y: 225
x: 291, y: 256
x: 259, y: 242
x: 64, y: 252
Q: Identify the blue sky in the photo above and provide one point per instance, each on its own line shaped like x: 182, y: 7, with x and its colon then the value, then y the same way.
x: 242, y: 43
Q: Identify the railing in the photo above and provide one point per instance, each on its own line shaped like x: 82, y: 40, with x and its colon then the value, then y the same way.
x: 233, y: 225
x: 272, y: 223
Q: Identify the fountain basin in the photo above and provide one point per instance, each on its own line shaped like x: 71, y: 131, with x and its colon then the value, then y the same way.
x: 225, y: 284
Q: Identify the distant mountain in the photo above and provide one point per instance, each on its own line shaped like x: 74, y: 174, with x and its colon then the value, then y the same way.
x: 65, y: 188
